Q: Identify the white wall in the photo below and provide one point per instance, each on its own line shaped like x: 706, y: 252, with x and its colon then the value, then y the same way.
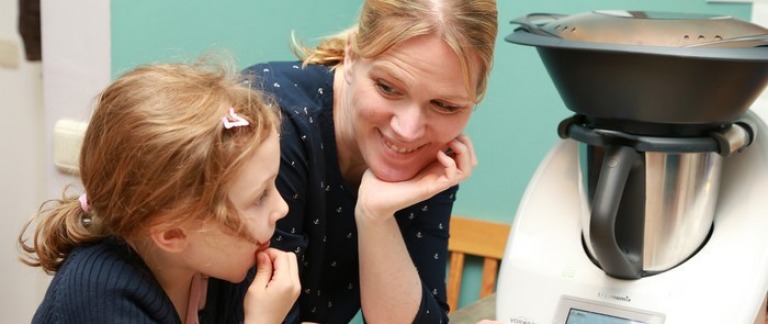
x: 20, y: 169
x: 76, y: 56
x: 33, y: 96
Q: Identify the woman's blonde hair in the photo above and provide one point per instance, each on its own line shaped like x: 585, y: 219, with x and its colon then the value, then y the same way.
x: 469, y: 27
x: 156, y: 153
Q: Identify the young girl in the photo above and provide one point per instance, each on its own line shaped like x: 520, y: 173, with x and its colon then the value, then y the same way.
x: 179, y: 165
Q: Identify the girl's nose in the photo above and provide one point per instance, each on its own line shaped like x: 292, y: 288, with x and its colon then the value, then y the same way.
x: 282, y: 208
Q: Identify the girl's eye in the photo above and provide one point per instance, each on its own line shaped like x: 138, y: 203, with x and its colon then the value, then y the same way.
x: 262, y: 197
x: 445, y: 107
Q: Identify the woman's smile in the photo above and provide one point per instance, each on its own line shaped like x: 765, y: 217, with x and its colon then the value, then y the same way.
x: 400, y: 148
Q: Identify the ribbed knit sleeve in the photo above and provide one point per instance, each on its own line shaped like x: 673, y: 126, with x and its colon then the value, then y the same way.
x: 105, y: 283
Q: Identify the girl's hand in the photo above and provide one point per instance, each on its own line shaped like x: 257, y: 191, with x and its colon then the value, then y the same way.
x: 274, y: 289
x: 381, y: 199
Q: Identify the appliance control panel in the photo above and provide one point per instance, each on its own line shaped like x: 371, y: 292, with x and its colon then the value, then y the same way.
x: 574, y: 310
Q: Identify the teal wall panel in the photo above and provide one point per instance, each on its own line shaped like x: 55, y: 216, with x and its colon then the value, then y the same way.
x: 166, y: 30
x: 512, y: 129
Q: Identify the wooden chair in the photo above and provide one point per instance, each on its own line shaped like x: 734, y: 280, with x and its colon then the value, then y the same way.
x: 476, y: 238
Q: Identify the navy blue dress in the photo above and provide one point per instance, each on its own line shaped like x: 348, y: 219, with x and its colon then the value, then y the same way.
x: 320, y: 225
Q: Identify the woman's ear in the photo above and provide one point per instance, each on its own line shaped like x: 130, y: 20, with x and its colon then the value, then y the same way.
x: 171, y: 240
x: 350, y: 56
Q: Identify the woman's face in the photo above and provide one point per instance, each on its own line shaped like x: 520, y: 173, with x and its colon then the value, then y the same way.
x: 227, y: 256
x: 403, y: 106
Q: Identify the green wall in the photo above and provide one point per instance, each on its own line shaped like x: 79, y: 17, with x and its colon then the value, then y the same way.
x: 512, y: 129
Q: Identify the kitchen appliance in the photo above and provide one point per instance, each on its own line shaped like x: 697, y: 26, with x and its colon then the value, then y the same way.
x: 659, y: 178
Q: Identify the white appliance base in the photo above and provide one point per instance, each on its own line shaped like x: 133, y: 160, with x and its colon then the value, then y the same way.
x: 546, y: 273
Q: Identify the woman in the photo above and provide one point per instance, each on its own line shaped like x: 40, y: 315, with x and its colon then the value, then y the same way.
x: 372, y: 152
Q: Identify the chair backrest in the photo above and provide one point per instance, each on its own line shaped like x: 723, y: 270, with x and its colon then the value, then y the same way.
x: 476, y: 238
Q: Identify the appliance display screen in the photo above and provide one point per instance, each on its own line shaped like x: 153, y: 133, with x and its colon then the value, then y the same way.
x: 578, y: 316
x: 575, y: 310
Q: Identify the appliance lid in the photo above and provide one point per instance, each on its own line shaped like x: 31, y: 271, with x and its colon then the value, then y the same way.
x: 647, y: 28
x: 656, y: 84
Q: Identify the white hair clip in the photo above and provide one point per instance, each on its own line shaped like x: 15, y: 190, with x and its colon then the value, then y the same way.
x: 236, y: 122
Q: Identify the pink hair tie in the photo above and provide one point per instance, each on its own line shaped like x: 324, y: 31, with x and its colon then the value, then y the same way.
x: 84, y: 203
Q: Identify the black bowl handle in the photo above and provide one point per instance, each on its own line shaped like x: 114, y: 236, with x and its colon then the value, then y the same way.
x: 532, y: 22
x: 614, y: 172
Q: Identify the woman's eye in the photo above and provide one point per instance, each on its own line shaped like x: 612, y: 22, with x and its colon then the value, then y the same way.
x: 445, y: 107
x: 385, y: 88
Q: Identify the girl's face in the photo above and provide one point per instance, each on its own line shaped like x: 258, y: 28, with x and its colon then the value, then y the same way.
x: 219, y: 254
x: 403, y: 106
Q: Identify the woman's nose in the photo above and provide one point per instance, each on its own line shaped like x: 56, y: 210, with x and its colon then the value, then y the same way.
x: 409, y: 123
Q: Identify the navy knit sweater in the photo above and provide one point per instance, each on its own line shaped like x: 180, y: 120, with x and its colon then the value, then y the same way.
x: 108, y: 282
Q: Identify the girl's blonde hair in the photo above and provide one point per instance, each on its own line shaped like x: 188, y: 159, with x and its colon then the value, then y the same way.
x: 469, y: 27
x: 156, y: 153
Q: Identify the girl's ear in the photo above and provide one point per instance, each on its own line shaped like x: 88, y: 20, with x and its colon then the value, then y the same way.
x: 171, y: 240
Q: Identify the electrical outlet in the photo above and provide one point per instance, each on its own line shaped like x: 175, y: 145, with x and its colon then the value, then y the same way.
x: 67, y: 139
x: 9, y: 53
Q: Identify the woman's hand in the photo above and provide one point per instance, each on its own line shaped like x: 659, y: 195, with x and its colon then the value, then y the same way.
x: 378, y: 198
x: 274, y: 289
